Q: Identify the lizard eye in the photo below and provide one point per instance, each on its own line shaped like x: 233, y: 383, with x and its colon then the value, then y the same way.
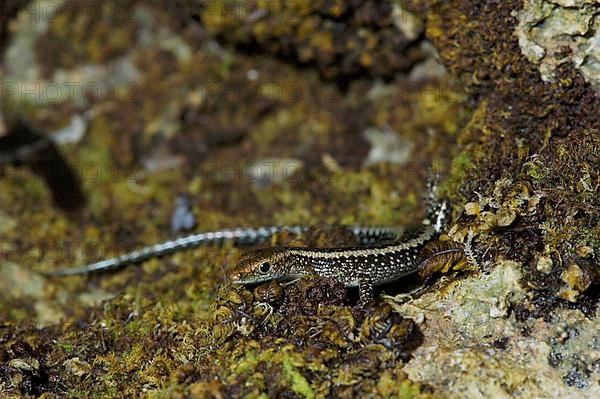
x: 264, y: 267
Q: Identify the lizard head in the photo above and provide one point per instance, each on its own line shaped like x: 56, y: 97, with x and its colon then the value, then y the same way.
x: 264, y: 265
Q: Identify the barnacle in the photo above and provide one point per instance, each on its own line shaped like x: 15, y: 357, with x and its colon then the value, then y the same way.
x: 262, y: 310
x: 223, y: 314
x: 271, y: 293
x: 577, y: 282
x: 238, y: 297
x: 472, y: 208
x: 505, y: 217
x: 338, y: 326
x: 26, y: 364
x: 77, y: 366
x: 244, y: 326
x: 358, y: 364
x: 441, y: 256
x: 318, y: 356
x: 310, y: 293
x: 376, y: 321
x: 384, y: 326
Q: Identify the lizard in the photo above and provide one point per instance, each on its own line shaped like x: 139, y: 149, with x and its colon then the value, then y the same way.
x: 362, y: 267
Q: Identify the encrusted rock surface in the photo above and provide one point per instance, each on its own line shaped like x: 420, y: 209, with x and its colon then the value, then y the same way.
x: 330, y: 118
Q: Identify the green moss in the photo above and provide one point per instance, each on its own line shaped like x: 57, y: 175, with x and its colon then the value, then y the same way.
x: 536, y: 170
x: 523, y: 148
x: 247, y: 364
x: 408, y: 390
x: 461, y: 168
x: 523, y: 130
x: 299, y: 383
x: 338, y: 40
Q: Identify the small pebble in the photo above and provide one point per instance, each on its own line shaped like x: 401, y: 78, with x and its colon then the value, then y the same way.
x: 182, y: 219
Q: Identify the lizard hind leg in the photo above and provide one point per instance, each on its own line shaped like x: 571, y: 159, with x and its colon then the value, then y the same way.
x: 366, y: 291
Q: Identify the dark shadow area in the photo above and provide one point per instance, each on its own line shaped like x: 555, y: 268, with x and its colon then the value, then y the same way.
x: 23, y: 146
